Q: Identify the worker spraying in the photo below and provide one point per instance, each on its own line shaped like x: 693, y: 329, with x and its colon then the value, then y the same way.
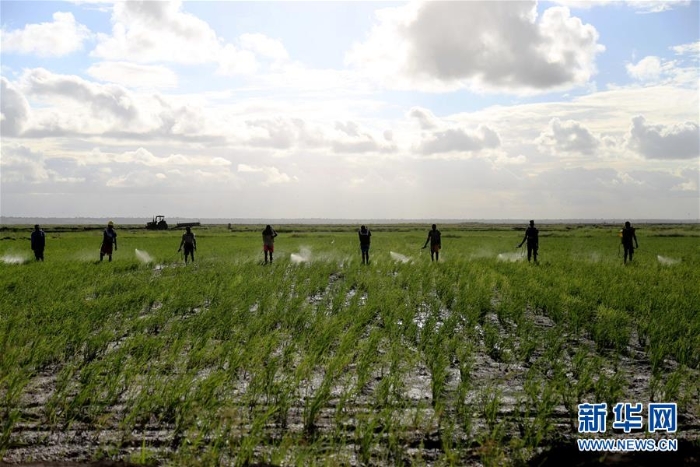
x: 533, y: 241
x: 109, y: 241
x: 627, y: 235
x: 268, y: 236
x: 435, y: 243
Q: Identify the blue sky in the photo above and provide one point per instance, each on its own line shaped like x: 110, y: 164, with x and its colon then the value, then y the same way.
x: 350, y: 109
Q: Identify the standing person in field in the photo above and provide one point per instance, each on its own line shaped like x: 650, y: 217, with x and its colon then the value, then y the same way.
x: 435, y: 243
x: 268, y: 236
x: 38, y: 243
x: 189, y: 242
x: 364, y: 235
x: 533, y: 242
x: 109, y: 239
x: 628, y: 234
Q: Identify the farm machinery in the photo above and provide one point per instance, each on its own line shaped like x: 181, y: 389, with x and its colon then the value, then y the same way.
x: 158, y: 223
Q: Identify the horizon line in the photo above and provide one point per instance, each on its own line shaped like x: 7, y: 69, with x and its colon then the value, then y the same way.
x: 10, y: 220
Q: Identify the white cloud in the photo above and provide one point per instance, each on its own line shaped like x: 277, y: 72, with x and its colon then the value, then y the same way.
x: 135, y: 169
x: 150, y: 179
x: 489, y: 46
x: 272, y: 174
x: 294, y: 133
x: 14, y: 109
x: 692, y: 49
x: 93, y: 2
x: 683, y: 71
x: 351, y: 139
x: 278, y: 133
x: 362, y: 145
x: 656, y: 6
x: 148, y: 31
x: 144, y: 157
x: 70, y: 105
x: 679, y: 141
x: 133, y: 75
x: 621, y: 179
x: 139, y: 178
x: 605, y: 113
x: 264, y: 46
x: 233, y: 61
x: 691, y: 177
x: 646, y: 69
x: 104, y: 100
x: 56, y: 39
x: 459, y: 140
x: 21, y: 164
x: 425, y: 118
x: 349, y: 128
x: 569, y: 137
x: 642, y: 6
x: 583, y: 4
x: 248, y: 168
x: 220, y: 161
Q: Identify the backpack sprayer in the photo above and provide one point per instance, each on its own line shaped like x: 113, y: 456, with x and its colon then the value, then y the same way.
x: 619, y: 246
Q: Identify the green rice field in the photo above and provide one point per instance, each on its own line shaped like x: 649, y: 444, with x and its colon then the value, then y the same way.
x: 316, y: 359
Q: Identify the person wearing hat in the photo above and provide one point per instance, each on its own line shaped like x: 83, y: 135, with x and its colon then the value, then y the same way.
x: 268, y: 236
x: 189, y: 242
x: 533, y: 243
x: 38, y: 243
x: 109, y: 238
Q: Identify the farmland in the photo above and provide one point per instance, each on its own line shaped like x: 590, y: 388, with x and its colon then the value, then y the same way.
x: 480, y: 359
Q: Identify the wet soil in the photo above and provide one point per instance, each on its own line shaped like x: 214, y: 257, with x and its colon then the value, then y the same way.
x: 33, y: 442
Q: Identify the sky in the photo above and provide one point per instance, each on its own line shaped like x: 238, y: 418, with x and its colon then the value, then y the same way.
x: 354, y: 110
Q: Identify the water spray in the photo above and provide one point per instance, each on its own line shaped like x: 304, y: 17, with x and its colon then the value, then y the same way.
x: 399, y: 257
x: 511, y: 257
x: 304, y: 256
x: 666, y: 261
x: 144, y: 257
x: 13, y: 259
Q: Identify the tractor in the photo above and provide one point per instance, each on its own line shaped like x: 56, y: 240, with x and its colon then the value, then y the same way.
x: 158, y: 223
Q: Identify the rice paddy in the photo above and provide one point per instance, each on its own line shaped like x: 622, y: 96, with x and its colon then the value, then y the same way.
x: 478, y: 359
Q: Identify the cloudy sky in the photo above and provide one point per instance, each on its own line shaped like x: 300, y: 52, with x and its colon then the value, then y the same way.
x: 461, y: 110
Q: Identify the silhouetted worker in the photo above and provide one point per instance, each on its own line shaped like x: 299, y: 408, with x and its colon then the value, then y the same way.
x: 189, y: 242
x: 109, y: 238
x: 268, y: 236
x: 435, y: 243
x: 38, y: 243
x: 365, y: 237
x: 533, y: 242
x: 628, y: 234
